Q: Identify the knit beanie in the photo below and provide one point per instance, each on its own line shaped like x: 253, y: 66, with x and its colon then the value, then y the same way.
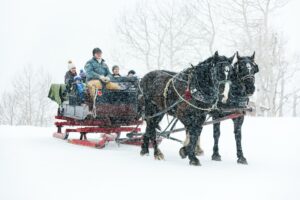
x: 70, y: 65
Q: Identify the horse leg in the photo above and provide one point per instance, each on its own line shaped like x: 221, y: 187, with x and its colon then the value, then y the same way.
x: 187, y: 139
x: 216, y: 156
x: 158, y: 155
x: 238, y: 122
x: 190, y: 148
x: 145, y: 145
x: 182, y: 151
x: 198, y: 148
x: 146, y: 137
x: 150, y: 134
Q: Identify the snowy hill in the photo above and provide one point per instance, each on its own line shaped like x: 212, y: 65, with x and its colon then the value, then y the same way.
x: 36, y: 166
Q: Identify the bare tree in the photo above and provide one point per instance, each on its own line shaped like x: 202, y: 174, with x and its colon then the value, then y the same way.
x: 157, y: 34
x: 8, y: 109
x: 25, y: 90
x: 27, y: 102
x: 169, y: 33
x: 45, y: 108
x: 204, y: 32
x: 296, y: 98
x: 136, y: 33
x: 254, y: 32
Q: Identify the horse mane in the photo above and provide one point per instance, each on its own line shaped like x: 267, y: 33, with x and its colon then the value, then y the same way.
x: 210, y: 59
x: 169, y: 72
x: 207, y: 61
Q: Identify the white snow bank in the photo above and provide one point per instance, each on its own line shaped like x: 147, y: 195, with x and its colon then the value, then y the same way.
x: 36, y: 166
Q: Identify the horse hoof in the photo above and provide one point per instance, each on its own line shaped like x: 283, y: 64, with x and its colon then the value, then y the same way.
x: 242, y: 160
x: 144, y: 152
x: 182, y: 153
x: 195, y: 162
x: 158, y: 155
x: 216, y: 157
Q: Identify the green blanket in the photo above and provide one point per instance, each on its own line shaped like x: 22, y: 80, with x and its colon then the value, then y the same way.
x: 56, y: 93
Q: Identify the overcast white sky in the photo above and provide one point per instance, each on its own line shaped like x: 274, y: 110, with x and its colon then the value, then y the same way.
x: 47, y: 33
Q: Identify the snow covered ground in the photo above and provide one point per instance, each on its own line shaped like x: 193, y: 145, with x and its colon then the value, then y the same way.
x: 36, y: 166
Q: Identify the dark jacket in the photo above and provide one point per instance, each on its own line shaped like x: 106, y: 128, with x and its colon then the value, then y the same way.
x: 69, y: 77
x: 94, y: 69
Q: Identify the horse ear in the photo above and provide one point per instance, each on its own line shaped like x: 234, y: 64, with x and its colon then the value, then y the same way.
x: 232, y: 58
x: 253, y: 56
x: 238, y: 55
x: 216, y: 54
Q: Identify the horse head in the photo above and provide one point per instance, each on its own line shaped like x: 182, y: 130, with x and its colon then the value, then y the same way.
x: 224, y: 70
x: 245, y: 70
x: 212, y: 77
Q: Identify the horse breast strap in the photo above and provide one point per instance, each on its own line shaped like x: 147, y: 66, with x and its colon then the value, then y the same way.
x: 183, y: 99
x: 188, y: 94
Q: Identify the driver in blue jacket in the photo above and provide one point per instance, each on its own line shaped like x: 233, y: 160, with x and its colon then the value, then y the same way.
x: 97, y: 74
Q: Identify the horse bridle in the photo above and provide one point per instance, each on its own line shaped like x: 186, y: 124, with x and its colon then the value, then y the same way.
x: 248, y: 76
x: 216, y: 89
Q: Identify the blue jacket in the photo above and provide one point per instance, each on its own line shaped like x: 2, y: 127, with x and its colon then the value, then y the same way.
x: 94, y: 69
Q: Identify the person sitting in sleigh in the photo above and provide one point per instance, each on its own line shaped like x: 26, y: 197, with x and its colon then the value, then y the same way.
x: 97, y: 74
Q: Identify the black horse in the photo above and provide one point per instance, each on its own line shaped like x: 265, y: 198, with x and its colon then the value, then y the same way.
x: 242, y: 86
x: 188, y: 96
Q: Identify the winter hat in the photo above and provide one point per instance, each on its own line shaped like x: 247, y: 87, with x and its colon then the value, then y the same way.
x: 131, y: 72
x: 82, y: 74
x: 70, y: 65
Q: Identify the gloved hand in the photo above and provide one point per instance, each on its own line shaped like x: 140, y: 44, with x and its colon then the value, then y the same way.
x: 105, y: 79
